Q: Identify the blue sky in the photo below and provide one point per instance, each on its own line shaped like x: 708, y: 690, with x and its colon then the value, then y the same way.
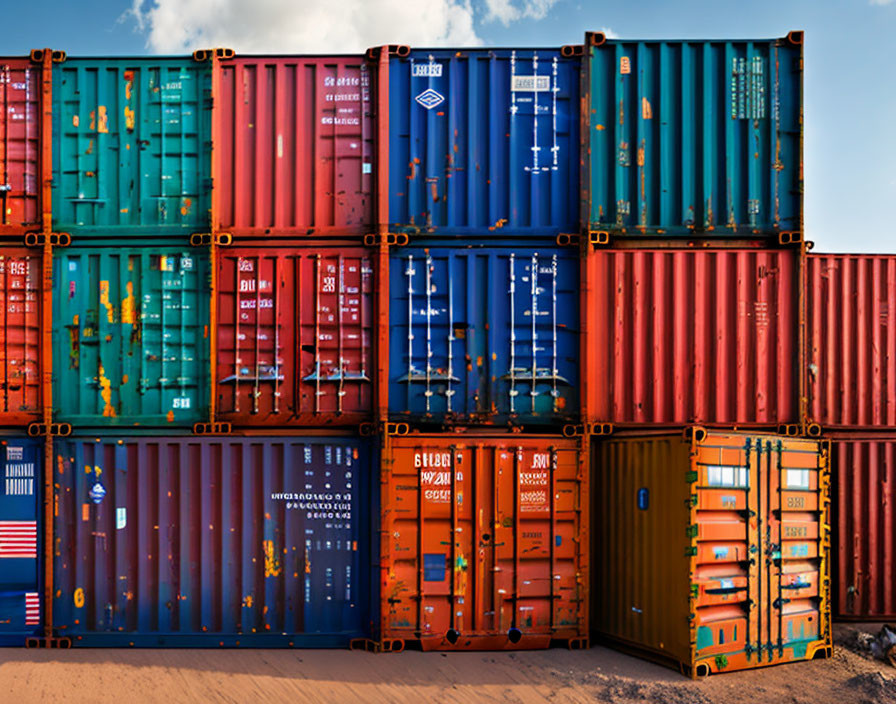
x: 850, y: 62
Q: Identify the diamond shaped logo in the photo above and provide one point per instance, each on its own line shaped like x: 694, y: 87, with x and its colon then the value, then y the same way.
x: 430, y: 98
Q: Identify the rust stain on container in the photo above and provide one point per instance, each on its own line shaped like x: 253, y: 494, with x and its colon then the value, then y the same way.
x: 484, y: 542
x: 711, y: 550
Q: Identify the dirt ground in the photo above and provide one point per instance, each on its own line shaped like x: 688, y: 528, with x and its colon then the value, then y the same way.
x: 596, y: 675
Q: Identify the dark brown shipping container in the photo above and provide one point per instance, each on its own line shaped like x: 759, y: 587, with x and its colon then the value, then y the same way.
x: 678, y: 336
x: 294, y: 336
x: 864, y: 490
x: 20, y: 145
x: 711, y: 548
x: 851, y: 355
x: 294, y: 145
x: 484, y: 542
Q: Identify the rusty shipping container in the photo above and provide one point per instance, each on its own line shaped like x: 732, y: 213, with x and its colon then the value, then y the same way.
x: 483, y: 140
x: 711, y: 548
x: 677, y: 336
x: 130, y: 336
x: 22, y: 145
x: 294, y: 146
x: 864, y: 527
x: 694, y: 136
x: 221, y: 542
x: 21, y: 341
x: 484, y: 335
x: 484, y: 542
x: 294, y: 336
x: 132, y: 146
x: 21, y: 535
x: 851, y: 355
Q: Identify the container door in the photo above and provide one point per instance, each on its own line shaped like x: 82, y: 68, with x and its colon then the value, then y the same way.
x: 756, y: 579
x: 19, y: 144
x: 428, y: 592
x: 19, y: 590
x: 789, y: 542
x: 129, y: 337
x: 484, y: 336
x: 132, y: 146
x: 484, y: 551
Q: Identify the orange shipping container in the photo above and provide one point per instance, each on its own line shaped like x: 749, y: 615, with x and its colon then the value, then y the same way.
x: 484, y: 542
x: 711, y: 549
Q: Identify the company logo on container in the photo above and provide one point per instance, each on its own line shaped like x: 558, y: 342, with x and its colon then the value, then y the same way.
x: 18, y: 539
x: 430, y: 98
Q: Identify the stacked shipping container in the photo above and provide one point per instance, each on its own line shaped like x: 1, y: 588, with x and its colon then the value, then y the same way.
x: 387, y: 243
x: 692, y: 313
x: 851, y: 387
x: 484, y: 535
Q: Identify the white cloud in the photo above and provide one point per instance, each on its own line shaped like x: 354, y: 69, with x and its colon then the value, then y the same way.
x: 881, y: 2
x: 507, y: 11
x: 303, y: 26
x: 608, y: 33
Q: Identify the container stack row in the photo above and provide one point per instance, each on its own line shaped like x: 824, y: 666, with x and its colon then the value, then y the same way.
x: 452, y: 348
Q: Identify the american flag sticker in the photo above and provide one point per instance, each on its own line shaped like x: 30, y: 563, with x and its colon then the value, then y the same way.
x: 18, y: 539
x: 32, y: 609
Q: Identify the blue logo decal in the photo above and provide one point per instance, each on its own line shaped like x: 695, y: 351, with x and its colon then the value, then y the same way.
x: 96, y: 493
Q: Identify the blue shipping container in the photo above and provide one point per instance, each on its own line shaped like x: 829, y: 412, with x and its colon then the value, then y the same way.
x: 255, y: 542
x: 695, y: 136
x: 484, y: 140
x: 21, y: 540
x: 132, y: 146
x: 484, y: 334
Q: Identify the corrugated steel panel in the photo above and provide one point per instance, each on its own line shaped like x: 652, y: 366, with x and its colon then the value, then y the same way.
x: 230, y: 542
x: 20, y: 145
x: 695, y: 136
x: 851, y: 352
x: 483, y: 334
x: 484, y: 140
x: 677, y: 526
x: 21, y: 302
x: 864, y: 482
x: 131, y: 146
x: 484, y: 542
x: 680, y: 336
x: 21, y: 536
x: 130, y: 336
x: 294, y: 335
x: 295, y: 146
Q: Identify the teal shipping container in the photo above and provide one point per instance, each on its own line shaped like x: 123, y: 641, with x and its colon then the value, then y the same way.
x: 694, y: 137
x: 131, y: 146
x: 130, y: 336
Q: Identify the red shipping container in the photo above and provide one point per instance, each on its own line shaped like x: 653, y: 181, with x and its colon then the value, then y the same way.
x: 20, y: 146
x: 484, y: 542
x: 294, y: 344
x: 294, y: 146
x: 851, y: 356
x: 680, y: 336
x: 864, y: 526
x: 21, y: 302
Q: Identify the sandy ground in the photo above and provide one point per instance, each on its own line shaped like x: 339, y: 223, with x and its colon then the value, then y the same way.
x: 596, y: 675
